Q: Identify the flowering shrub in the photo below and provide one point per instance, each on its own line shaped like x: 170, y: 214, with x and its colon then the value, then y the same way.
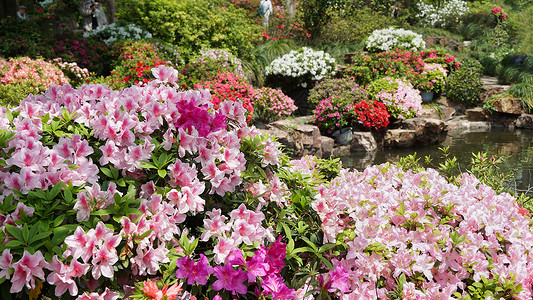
x: 432, y: 78
x: 114, y: 32
x: 282, y: 26
x: 372, y: 114
x: 416, y: 236
x: 134, y: 61
x: 76, y: 75
x: 401, y: 99
x: 334, y: 113
x: 37, y: 74
x: 271, y: 104
x: 336, y: 87
x: 207, y: 65
x: 300, y: 68
x: 449, y: 13
x: 230, y: 87
x: 464, y: 84
x: 105, y: 190
x: 499, y: 14
x: 392, y: 39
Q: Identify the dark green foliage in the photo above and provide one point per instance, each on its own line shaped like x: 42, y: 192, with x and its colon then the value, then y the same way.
x: 345, y: 87
x: 193, y: 24
x: 516, y: 68
x: 354, y: 27
x: 464, y: 83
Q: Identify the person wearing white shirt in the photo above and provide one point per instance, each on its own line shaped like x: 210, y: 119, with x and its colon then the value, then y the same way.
x: 266, y: 6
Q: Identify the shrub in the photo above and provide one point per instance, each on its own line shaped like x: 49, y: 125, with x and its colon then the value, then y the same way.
x: 353, y: 28
x: 302, y: 68
x: 432, y: 78
x: 401, y: 99
x: 37, y: 73
x: 193, y: 24
x: 392, y: 39
x: 271, y: 105
x: 207, y: 65
x: 344, y: 87
x: 447, y: 14
x: 334, y: 113
x: 464, y: 83
x: 76, y: 75
x: 229, y: 87
x: 114, y: 32
x: 12, y: 94
x: 134, y: 61
x: 368, y: 211
x: 371, y: 114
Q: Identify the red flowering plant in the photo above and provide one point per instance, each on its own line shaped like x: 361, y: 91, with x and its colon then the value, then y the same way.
x: 371, y: 114
x: 499, y: 14
x: 133, y: 65
x: 228, y: 86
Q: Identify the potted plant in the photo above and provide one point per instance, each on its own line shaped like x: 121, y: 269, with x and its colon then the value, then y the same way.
x: 402, y: 100
x: 430, y: 81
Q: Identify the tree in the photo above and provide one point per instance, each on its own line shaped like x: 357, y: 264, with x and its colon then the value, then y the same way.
x: 111, y: 11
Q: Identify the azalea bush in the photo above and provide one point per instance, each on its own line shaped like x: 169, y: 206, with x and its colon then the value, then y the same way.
x: 464, y: 84
x: 447, y: 14
x: 230, y: 87
x: 302, y: 68
x: 365, y: 68
x: 76, y: 75
x: 23, y: 75
x: 336, y: 87
x: 271, y: 105
x: 392, y: 39
x: 334, y: 113
x: 150, y: 192
x: 416, y: 236
x: 401, y: 99
x: 133, y: 64
x: 371, y: 114
x: 207, y: 65
x: 432, y: 78
x: 114, y: 32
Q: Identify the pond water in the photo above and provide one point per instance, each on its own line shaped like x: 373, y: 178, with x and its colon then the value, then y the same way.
x: 517, y: 145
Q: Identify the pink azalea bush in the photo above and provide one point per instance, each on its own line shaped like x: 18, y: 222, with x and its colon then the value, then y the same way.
x: 37, y: 72
x: 150, y: 192
x: 416, y: 236
x: 271, y: 104
x: 401, y: 99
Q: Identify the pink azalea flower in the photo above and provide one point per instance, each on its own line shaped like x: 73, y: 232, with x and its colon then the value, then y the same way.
x: 195, y: 272
x: 25, y: 271
x: 230, y: 279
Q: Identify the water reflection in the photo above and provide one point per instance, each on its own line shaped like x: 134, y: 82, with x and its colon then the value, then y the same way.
x: 518, y: 145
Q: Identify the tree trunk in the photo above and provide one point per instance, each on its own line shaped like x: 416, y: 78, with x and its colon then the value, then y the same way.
x: 8, y: 8
x: 111, y: 11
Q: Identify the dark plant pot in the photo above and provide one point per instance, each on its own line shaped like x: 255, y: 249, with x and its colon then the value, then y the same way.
x: 300, y: 96
x: 427, y: 96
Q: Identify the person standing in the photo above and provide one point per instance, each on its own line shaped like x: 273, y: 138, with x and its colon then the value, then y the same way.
x: 21, y: 14
x: 266, y: 8
x: 93, y: 14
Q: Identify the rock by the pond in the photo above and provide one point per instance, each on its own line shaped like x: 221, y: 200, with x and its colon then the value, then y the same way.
x: 427, y: 131
x: 301, y: 139
x: 524, y: 121
x: 326, y: 146
x: 476, y: 114
x: 508, y: 105
x: 363, y: 141
x: 399, y: 138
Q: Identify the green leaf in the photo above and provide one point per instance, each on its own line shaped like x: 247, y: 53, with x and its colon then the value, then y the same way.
x: 326, y: 247
x: 162, y: 173
x: 14, y: 231
x: 13, y: 244
x: 25, y: 233
x: 106, y: 172
x: 58, y: 220
x: 52, y: 194
x: 311, y: 244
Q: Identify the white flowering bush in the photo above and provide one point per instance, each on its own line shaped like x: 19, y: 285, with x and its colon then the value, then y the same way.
x: 448, y: 14
x: 110, y: 34
x: 305, y: 66
x: 45, y: 3
x: 391, y: 39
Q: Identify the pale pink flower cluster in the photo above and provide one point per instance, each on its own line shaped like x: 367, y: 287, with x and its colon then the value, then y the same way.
x: 36, y: 72
x: 243, y: 227
x: 403, y: 103
x: 77, y: 71
x: 436, y: 67
x: 428, y: 229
